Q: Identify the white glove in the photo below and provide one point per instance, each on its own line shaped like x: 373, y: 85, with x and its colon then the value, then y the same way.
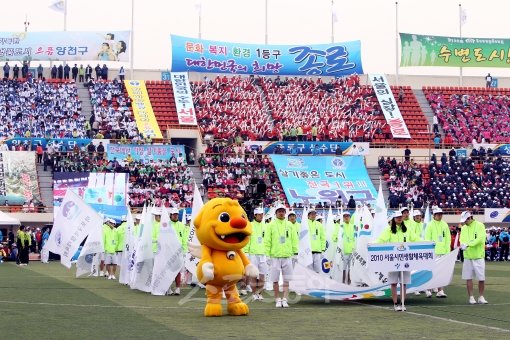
x: 463, y: 246
x: 251, y: 271
x: 207, y: 271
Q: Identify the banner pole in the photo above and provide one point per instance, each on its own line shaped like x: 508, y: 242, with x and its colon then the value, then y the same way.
x: 332, y: 21
x: 460, y: 34
x: 131, y: 63
x: 402, y: 293
x: 396, y: 45
x: 266, y: 38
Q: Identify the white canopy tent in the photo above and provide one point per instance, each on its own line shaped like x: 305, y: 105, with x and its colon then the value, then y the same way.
x: 6, y: 219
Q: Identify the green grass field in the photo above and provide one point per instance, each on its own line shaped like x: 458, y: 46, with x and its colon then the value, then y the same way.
x: 46, y: 301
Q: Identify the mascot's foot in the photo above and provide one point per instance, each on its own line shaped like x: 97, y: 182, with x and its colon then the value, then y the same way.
x: 213, y: 309
x: 239, y: 308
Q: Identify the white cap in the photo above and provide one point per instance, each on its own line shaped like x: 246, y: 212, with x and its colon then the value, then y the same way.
x: 404, y: 209
x: 138, y: 216
x: 319, y: 217
x: 397, y: 213
x: 464, y: 216
x: 258, y: 211
x: 111, y: 220
x: 346, y: 213
x: 292, y: 212
x: 437, y: 211
x: 312, y: 209
x: 280, y: 206
x: 173, y: 211
x: 156, y: 211
x: 417, y: 213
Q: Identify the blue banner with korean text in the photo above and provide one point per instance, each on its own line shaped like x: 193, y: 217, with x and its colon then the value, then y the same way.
x: 198, y: 55
x: 314, y: 179
x: 144, y: 152
x: 312, y: 148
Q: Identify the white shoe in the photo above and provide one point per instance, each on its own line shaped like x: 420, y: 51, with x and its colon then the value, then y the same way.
x: 481, y: 300
x: 243, y: 292
x: 434, y: 290
x: 397, y: 308
x: 279, y: 303
x: 169, y: 292
x: 261, y: 298
x: 284, y: 303
x: 177, y: 291
x: 441, y: 294
x: 417, y: 293
x: 113, y: 277
x: 472, y: 300
x: 428, y: 293
x: 101, y: 273
x: 109, y: 277
x: 248, y: 289
x: 403, y: 308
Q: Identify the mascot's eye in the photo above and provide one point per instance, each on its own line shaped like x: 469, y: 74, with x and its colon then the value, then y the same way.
x: 224, y: 217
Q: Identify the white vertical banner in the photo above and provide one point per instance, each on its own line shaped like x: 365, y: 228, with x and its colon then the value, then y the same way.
x: 305, y: 246
x: 93, y: 244
x: 389, y: 106
x: 337, y: 268
x: 183, y: 98
x: 330, y: 228
x: 381, y: 215
x: 73, y: 223
x: 127, y: 254
x: 191, y: 261
x: 168, y: 259
x: 144, y: 259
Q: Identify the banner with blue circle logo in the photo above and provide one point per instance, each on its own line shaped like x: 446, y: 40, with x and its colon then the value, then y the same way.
x: 314, y: 179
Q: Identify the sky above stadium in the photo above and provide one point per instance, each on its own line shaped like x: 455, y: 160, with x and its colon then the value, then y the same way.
x: 289, y: 22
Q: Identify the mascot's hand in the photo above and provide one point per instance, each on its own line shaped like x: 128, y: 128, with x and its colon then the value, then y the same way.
x: 207, y: 271
x: 195, y: 249
x: 251, y: 271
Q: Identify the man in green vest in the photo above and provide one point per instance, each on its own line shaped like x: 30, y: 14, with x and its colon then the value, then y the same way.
x: 348, y: 239
x: 257, y: 253
x: 317, y: 240
x: 110, y: 248
x: 280, y: 244
x: 472, y: 242
x: 182, y: 233
x: 437, y: 231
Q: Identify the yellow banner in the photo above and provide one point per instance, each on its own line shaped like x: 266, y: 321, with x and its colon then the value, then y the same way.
x: 142, y: 109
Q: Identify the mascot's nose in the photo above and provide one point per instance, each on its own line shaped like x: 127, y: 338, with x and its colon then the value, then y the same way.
x: 238, y: 223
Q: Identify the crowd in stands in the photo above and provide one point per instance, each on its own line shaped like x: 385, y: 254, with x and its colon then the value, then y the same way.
x: 40, y: 109
x: 112, y: 117
x: 231, y: 170
x: 158, y: 182
x: 291, y: 108
x: 479, y: 181
x: 468, y: 118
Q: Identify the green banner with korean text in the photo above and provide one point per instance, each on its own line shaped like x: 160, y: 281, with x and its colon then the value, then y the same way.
x: 430, y: 50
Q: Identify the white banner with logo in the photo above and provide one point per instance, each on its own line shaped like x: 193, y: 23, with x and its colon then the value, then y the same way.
x: 31, y: 46
x: 497, y: 215
x: 73, y: 223
x: 183, y: 99
x: 389, y: 106
x: 390, y: 257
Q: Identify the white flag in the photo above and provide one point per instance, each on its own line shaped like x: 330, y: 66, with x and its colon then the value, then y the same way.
x: 93, y: 244
x: 136, y: 241
x: 127, y: 254
x: 58, y: 5
x: 191, y: 262
x: 334, y: 14
x: 168, y: 259
x: 338, y: 262
x: 426, y: 221
x: 72, y: 224
x: 305, y: 247
x: 381, y: 215
x: 144, y: 259
x: 463, y: 16
x: 330, y: 245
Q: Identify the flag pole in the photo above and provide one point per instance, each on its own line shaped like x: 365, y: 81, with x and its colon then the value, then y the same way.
x: 65, y: 15
x: 200, y: 20
x: 332, y: 21
x: 131, y: 63
x: 460, y: 35
x: 396, y: 45
x: 266, y: 38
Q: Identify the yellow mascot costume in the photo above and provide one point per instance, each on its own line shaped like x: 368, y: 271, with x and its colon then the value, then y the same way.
x: 223, y: 229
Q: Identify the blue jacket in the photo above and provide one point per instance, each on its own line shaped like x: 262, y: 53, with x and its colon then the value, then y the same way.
x: 502, y: 235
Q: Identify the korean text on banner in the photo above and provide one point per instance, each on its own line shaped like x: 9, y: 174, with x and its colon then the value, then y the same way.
x: 35, y: 46
x: 389, y: 106
x: 430, y: 50
x: 183, y: 99
x: 338, y: 59
x: 314, y: 179
x: 144, y: 152
x: 142, y: 109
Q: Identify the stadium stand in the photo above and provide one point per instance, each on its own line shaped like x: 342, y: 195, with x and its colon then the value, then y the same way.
x: 43, y: 109
x: 162, y: 99
x: 469, y: 114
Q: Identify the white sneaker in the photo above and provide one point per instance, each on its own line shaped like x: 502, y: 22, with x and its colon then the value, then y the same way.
x: 255, y: 297
x: 472, y: 300
x: 243, y: 292
x: 441, y: 294
x: 279, y: 303
x: 248, y: 289
x: 113, y: 277
x: 177, y: 291
x: 482, y: 300
x: 261, y: 298
x: 397, y: 308
x: 428, y: 293
x: 284, y: 303
x: 109, y: 277
x: 403, y: 308
x: 101, y: 273
x: 169, y: 292
x: 417, y: 293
